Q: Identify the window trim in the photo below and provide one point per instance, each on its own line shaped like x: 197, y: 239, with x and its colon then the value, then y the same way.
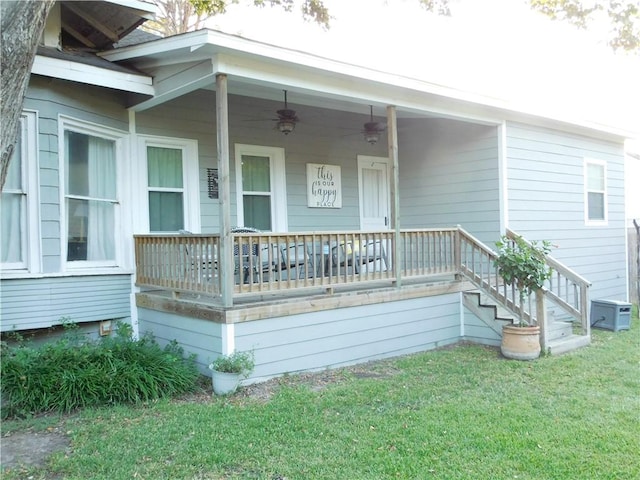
x: 276, y: 156
x: 31, y: 186
x: 589, y: 221
x: 119, y: 138
x: 190, y: 176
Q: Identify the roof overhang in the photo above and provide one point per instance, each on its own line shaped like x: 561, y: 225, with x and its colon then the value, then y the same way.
x: 99, y: 25
x: 91, y: 71
x: 187, y: 62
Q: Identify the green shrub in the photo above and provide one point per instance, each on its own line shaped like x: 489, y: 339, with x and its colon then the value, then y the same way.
x: 70, y: 374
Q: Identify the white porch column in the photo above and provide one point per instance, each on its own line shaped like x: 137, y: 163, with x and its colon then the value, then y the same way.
x: 392, y: 140
x: 225, y: 262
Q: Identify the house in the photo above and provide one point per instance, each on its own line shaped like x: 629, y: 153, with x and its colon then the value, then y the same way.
x: 373, y: 200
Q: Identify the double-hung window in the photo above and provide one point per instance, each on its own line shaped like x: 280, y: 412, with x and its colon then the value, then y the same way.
x: 19, y: 207
x: 171, y: 191
x: 261, y: 187
x: 91, y: 197
x: 595, y: 192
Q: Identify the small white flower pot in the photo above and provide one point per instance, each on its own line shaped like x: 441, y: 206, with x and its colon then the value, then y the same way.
x: 224, y: 383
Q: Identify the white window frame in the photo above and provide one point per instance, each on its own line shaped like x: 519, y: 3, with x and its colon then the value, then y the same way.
x: 190, y: 178
x: 31, y: 243
x: 120, y: 139
x: 587, y: 220
x: 278, y: 181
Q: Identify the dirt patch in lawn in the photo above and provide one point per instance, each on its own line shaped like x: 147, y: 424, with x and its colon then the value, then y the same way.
x: 30, y: 448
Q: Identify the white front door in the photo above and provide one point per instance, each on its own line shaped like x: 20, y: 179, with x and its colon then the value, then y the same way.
x: 373, y: 185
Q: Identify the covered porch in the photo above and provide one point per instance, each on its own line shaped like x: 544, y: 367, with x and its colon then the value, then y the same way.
x: 383, y: 292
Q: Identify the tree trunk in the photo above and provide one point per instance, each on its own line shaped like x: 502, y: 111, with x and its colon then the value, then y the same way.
x: 22, y: 25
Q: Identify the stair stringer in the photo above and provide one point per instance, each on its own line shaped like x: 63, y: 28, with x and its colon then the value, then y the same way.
x: 492, y: 314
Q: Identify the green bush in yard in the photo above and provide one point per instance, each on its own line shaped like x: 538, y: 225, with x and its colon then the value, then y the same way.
x: 70, y: 373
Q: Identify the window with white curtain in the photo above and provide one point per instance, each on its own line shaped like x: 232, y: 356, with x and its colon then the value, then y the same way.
x: 261, y: 187
x: 90, y: 197
x: 166, y: 189
x: 169, y: 187
x: 595, y: 192
x: 19, y: 227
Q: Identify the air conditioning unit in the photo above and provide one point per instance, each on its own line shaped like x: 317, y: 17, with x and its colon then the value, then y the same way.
x: 610, y: 315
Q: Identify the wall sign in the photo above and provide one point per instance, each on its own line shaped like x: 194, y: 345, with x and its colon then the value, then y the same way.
x: 324, y: 186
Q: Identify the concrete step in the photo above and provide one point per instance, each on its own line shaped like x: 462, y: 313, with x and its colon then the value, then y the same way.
x: 567, y: 344
x: 559, y: 330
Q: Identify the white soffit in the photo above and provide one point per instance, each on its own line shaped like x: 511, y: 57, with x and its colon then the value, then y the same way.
x: 83, y: 73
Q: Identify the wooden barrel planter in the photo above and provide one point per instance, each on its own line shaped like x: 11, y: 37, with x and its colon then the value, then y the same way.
x: 520, y: 343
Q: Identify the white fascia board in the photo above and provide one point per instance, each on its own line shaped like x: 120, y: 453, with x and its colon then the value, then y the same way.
x: 146, y: 10
x: 264, y: 63
x: 82, y: 73
x: 347, y: 87
x: 164, y: 48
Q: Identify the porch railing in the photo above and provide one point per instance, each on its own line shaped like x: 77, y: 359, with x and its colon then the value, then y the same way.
x: 566, y: 289
x: 268, y: 263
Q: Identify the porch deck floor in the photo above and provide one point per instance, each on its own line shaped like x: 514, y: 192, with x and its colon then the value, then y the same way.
x: 255, y: 307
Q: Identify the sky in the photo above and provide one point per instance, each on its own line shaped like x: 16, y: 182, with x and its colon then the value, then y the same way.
x: 499, y: 48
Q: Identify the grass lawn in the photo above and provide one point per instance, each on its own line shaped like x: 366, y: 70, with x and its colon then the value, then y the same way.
x: 456, y: 413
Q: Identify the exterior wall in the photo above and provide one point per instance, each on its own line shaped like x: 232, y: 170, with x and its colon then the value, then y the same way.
x: 352, y: 335
x: 51, y: 98
x: 322, y: 136
x: 318, y: 340
x: 476, y: 331
x: 31, y: 303
x: 449, y: 176
x: 200, y: 337
x: 545, y: 180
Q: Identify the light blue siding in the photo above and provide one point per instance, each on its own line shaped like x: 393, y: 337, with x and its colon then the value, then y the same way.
x: 51, y: 99
x: 320, y: 137
x: 477, y: 331
x: 351, y: 335
x: 449, y: 176
x: 33, y: 303
x: 546, y: 202
x: 200, y: 337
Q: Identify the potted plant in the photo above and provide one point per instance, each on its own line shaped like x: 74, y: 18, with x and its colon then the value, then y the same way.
x: 522, y: 265
x: 228, y: 370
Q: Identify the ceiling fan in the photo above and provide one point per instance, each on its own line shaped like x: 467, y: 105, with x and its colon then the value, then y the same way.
x: 287, y: 118
x: 372, y: 130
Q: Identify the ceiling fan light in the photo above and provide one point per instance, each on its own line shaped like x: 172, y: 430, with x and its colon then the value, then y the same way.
x: 372, y: 137
x: 286, y: 126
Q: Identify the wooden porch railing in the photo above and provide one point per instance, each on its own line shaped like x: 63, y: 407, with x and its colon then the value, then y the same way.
x: 566, y: 289
x: 267, y: 263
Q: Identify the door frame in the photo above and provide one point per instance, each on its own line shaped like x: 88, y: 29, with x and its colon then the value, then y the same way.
x: 368, y: 159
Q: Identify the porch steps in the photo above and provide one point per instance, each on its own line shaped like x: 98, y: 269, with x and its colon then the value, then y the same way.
x: 560, y: 336
x: 567, y: 344
x: 487, y: 310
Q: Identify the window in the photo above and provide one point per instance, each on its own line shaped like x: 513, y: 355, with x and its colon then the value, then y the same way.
x: 170, y: 180
x: 261, y: 188
x: 91, y: 201
x: 595, y: 192
x: 19, y: 228
x: 166, y: 189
